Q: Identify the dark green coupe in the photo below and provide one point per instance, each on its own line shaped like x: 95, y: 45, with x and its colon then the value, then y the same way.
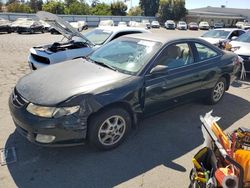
x: 99, y: 98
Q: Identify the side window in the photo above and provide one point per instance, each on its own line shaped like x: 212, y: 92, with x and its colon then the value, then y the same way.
x: 241, y: 32
x: 124, y: 33
x: 176, y: 55
x: 205, y: 52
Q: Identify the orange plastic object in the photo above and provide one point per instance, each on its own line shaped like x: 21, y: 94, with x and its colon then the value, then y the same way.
x: 221, y: 136
x: 243, y: 158
x: 226, y: 176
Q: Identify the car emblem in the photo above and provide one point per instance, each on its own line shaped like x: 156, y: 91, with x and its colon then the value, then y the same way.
x: 14, y: 97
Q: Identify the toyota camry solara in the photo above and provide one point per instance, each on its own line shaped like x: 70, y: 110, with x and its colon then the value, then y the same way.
x: 99, y: 98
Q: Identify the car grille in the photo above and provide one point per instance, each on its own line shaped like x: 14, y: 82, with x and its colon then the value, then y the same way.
x: 17, y: 100
x: 40, y: 59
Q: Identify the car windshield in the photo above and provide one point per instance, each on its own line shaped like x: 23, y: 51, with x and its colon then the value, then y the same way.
x: 204, y: 23
x: 244, y: 38
x: 182, y: 23
x: 98, y: 36
x: 217, y: 34
x: 125, y: 55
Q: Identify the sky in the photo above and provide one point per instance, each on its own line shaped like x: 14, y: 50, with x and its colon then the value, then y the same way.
x: 190, y: 4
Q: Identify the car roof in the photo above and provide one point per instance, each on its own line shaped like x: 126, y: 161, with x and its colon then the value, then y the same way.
x: 228, y: 29
x: 121, y: 29
x: 160, y: 38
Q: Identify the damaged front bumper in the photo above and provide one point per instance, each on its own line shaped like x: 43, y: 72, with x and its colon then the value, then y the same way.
x: 63, y: 131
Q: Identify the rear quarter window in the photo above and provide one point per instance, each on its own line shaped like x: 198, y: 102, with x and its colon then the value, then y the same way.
x: 204, y: 52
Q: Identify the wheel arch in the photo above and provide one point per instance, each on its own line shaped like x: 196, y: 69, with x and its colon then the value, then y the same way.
x: 121, y: 104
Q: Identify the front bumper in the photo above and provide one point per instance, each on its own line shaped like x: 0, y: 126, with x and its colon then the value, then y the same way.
x: 23, y: 29
x: 34, y: 65
x: 193, y: 28
x: 170, y: 26
x: 68, y: 130
x: 5, y: 28
x: 204, y: 28
x: 155, y: 26
x: 182, y: 28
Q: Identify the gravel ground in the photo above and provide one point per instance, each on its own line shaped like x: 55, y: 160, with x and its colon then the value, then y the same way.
x: 157, y: 154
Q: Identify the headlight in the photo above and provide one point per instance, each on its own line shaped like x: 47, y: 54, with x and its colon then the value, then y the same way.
x: 51, y: 112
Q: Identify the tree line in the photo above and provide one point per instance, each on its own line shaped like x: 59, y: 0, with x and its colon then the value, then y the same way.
x: 163, y: 9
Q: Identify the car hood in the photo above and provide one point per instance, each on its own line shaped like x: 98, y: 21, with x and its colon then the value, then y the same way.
x: 57, y: 83
x: 212, y: 40
x: 244, y: 48
x: 26, y: 24
x: 4, y: 23
x: 61, y: 26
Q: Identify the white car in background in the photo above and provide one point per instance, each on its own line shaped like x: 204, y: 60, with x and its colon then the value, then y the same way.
x: 76, y: 44
x: 46, y: 26
x: 246, y: 26
x: 239, y: 24
x: 133, y: 24
x: 170, y: 24
x: 216, y: 36
x: 146, y: 24
x: 155, y: 24
x: 204, y: 26
x: 122, y: 24
x: 18, y: 22
x: 106, y: 23
x: 181, y: 25
x: 241, y: 46
x: 79, y: 25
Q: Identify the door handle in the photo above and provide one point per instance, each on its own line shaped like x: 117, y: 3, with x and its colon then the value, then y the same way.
x: 196, y: 76
x: 164, y: 85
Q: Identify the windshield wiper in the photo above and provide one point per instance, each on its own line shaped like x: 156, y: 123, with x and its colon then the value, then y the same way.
x: 103, y: 64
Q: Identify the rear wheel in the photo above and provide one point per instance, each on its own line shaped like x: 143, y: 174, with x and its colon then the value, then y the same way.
x: 109, y: 128
x: 217, y: 92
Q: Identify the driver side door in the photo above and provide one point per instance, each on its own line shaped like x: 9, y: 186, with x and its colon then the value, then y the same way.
x: 180, y: 78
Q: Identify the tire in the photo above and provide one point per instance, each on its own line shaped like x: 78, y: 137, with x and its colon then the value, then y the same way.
x: 109, y: 128
x: 217, y: 92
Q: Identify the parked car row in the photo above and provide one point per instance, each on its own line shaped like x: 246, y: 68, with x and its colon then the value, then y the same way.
x: 28, y: 25
x: 181, y: 25
x: 143, y: 23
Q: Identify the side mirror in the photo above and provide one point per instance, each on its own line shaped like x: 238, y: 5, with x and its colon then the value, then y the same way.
x: 234, y: 38
x: 159, y: 69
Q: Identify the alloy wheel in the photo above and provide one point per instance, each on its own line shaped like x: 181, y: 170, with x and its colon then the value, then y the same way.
x: 218, y: 91
x: 112, y: 130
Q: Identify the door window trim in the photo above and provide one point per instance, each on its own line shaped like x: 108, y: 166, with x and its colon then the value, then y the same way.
x: 197, y: 57
x: 154, y: 59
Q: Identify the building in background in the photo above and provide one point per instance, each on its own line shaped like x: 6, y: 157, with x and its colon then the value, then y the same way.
x: 227, y: 16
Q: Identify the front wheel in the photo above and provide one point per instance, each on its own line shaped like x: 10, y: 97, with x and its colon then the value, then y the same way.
x: 217, y: 92
x: 109, y: 128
